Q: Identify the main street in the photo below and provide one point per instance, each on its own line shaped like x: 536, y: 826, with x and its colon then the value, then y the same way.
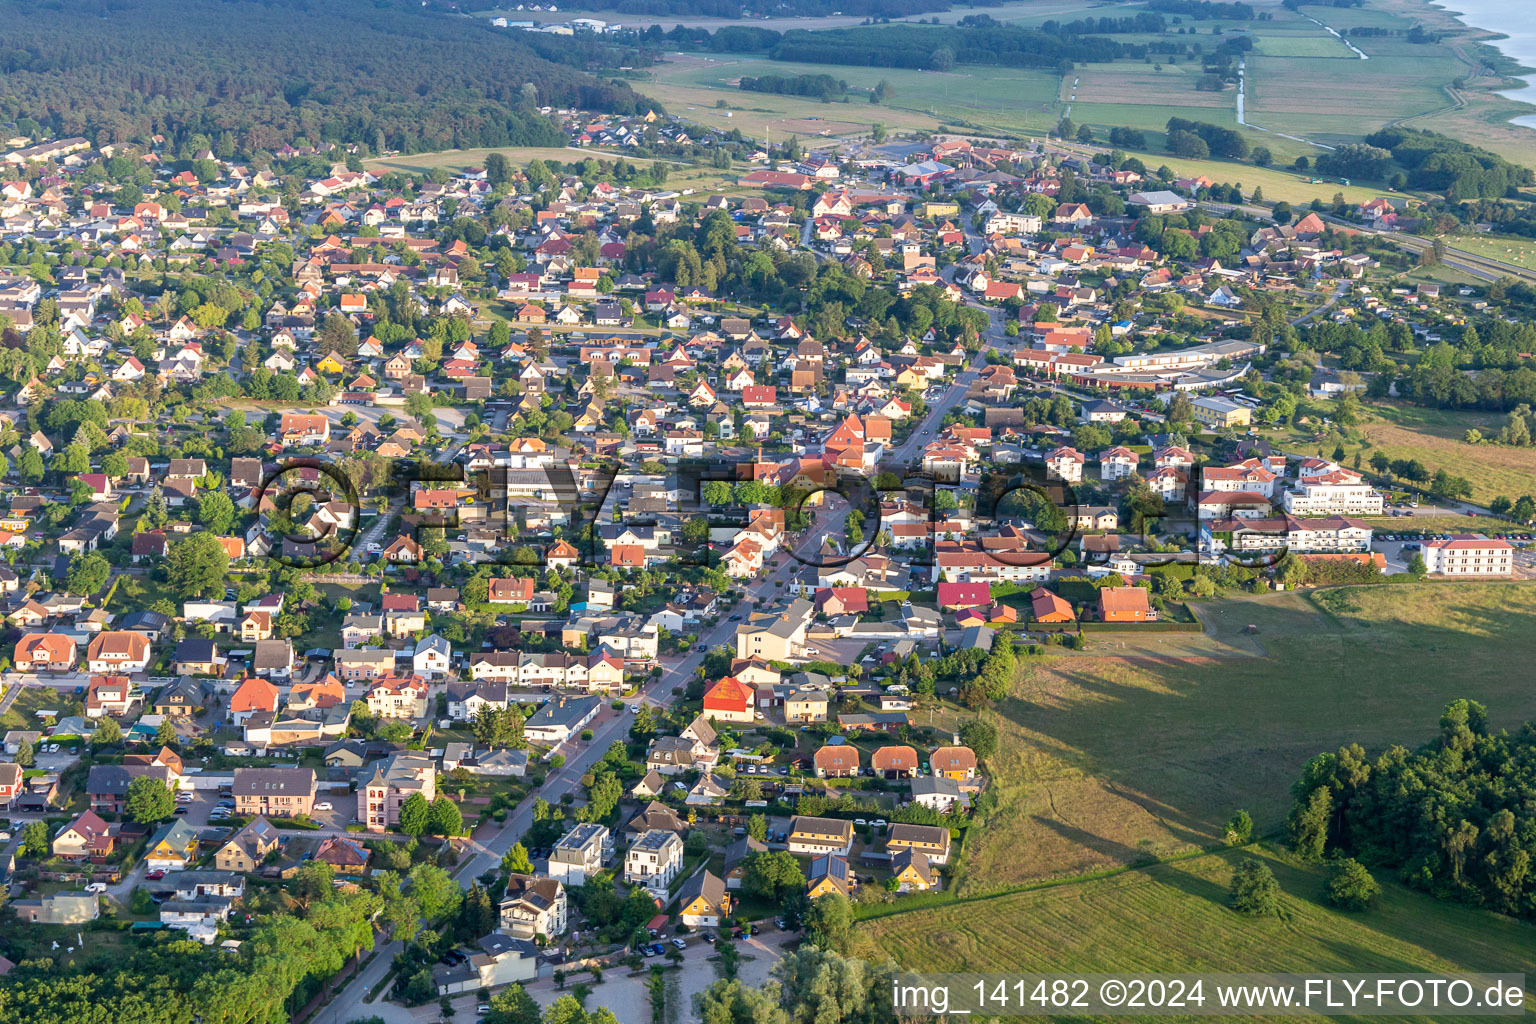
x: 489, y: 844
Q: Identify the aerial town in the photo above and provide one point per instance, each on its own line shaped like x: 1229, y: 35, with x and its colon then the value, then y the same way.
x: 599, y: 576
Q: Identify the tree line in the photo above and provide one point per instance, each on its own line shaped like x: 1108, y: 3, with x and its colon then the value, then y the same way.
x: 268, y: 73
x: 819, y: 86
x: 1452, y: 817
x: 939, y: 48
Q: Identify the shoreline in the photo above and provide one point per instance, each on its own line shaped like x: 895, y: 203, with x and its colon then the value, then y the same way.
x: 1517, y: 53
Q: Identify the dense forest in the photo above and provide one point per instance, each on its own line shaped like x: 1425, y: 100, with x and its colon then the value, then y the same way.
x: 382, y: 73
x: 820, y: 86
x: 1428, y: 161
x: 938, y: 48
x: 1453, y: 817
x: 781, y: 9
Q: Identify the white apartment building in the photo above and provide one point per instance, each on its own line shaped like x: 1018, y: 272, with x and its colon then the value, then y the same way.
x: 1469, y: 554
x: 579, y: 854
x: 1065, y: 464
x: 1339, y: 493
x: 654, y: 859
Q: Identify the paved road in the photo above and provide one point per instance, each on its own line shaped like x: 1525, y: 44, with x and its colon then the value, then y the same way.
x: 490, y: 844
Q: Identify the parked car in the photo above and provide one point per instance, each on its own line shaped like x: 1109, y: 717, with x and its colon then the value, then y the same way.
x: 155, y: 875
x: 679, y: 943
x: 96, y: 887
x: 324, y: 805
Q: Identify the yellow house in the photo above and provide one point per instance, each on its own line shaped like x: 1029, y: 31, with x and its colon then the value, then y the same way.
x: 703, y: 901
x: 806, y: 705
x: 910, y: 378
x: 330, y: 363
x: 605, y: 673
x: 828, y: 874
x: 247, y: 848
x: 1220, y: 413
x: 941, y: 209
x: 925, y: 839
x: 817, y: 836
x: 173, y: 847
x: 912, y: 871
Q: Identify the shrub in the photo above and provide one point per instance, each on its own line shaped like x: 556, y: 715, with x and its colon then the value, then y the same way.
x: 1351, y: 886
x: 1254, y: 890
x: 1239, y: 829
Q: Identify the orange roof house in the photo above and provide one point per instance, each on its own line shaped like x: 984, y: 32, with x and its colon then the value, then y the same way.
x: 45, y: 652
x: 253, y: 695
x: 729, y: 700
x: 894, y: 762
x: 953, y: 762
x: 1124, y: 604
x: 510, y: 591
x: 1048, y: 606
x: 837, y: 760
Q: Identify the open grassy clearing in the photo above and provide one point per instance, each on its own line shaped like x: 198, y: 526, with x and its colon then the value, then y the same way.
x: 1508, y: 248
x: 1434, y: 437
x: 1375, y: 91
x: 1277, y: 183
x: 1317, y: 44
x: 1004, y: 99
x: 1109, y: 760
x: 1139, y: 84
x: 1173, y: 917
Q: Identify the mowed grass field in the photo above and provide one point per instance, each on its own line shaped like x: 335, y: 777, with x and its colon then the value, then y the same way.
x: 1174, y: 918
x: 1434, y: 437
x: 1009, y: 100
x: 1108, y: 760
x: 1518, y: 251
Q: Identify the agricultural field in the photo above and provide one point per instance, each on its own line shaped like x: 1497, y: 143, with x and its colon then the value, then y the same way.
x: 1173, y: 917
x: 1520, y: 252
x: 1138, y: 84
x: 1005, y: 99
x: 1434, y: 437
x: 1111, y: 758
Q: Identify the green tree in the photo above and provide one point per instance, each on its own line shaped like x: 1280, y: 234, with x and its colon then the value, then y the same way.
x: 149, y: 800
x: 25, y: 755
x: 1254, y: 889
x: 88, y: 573
x: 434, y: 891
x: 1239, y: 828
x: 773, y: 874
x: 1351, y: 886
x: 107, y: 732
x: 512, y: 1005
x: 829, y: 919
x: 197, y: 565
x: 444, y: 817
x: 34, y: 839
x: 216, y: 511
x: 414, y: 815
x: 980, y: 736
x: 1308, y: 823
x: 516, y: 861
x: 757, y: 827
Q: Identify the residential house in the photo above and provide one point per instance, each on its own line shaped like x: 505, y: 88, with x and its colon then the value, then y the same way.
x: 275, y: 792
x: 654, y: 859
x: 817, y: 836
